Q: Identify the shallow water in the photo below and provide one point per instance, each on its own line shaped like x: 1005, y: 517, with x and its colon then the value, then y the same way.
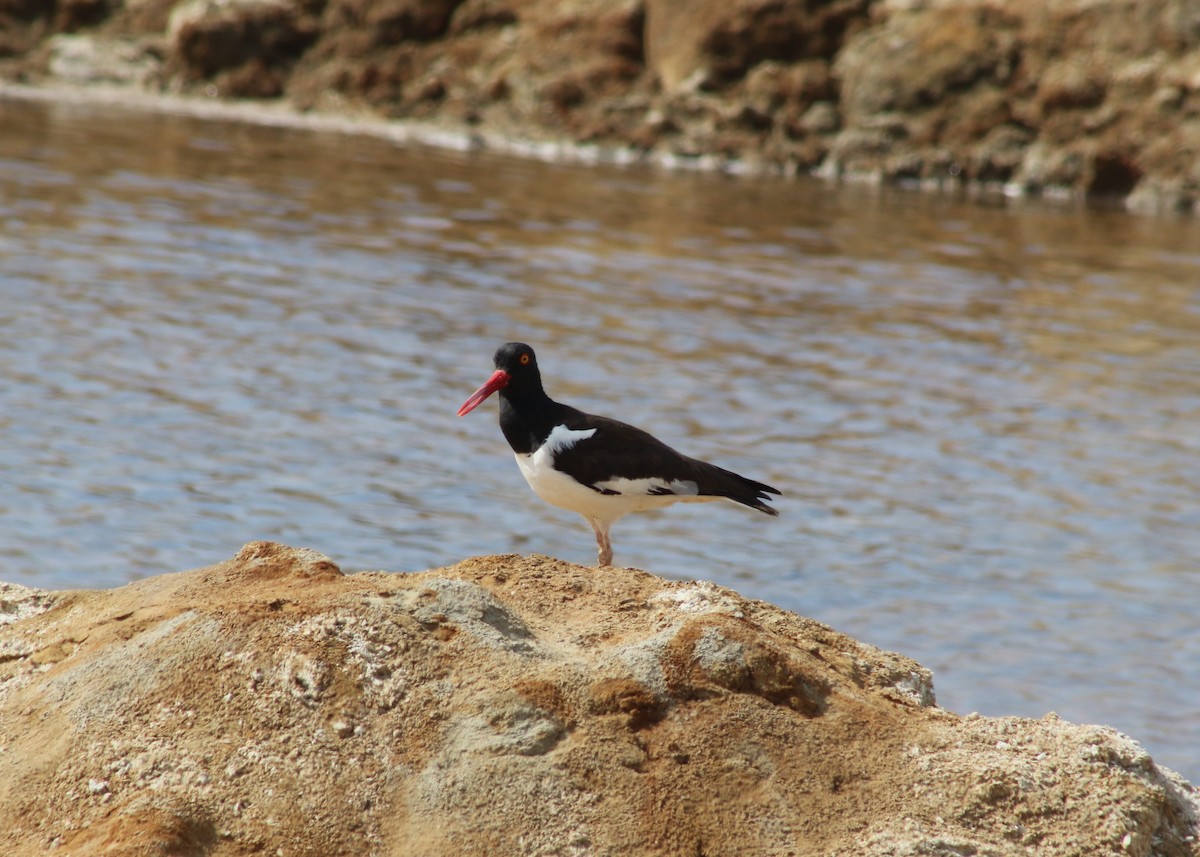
x: 985, y: 420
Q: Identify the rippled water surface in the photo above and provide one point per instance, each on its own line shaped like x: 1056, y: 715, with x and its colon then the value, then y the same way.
x: 985, y: 420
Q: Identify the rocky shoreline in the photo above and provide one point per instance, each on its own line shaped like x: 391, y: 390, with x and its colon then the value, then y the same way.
x: 519, y: 705
x: 1066, y: 98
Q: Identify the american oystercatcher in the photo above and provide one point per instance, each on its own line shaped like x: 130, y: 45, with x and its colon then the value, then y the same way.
x: 600, y: 468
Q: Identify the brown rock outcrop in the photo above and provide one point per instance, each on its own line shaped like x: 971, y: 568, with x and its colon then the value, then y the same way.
x: 1092, y: 97
x: 1099, y: 100
x: 511, y: 705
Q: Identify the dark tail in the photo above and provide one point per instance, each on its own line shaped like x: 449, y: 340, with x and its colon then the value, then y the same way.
x: 718, y: 482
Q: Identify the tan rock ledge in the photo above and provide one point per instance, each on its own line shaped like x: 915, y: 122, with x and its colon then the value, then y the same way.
x: 518, y: 705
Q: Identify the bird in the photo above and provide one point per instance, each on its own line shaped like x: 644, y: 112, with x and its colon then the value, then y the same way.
x: 598, y: 467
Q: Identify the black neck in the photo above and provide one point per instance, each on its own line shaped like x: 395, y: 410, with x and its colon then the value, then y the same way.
x: 527, y: 416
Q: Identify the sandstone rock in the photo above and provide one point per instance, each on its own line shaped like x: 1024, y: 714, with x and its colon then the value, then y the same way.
x: 917, y: 60
x: 22, y: 602
x: 511, y: 705
x: 723, y: 40
x: 246, y: 45
x: 84, y: 59
x: 1083, y: 91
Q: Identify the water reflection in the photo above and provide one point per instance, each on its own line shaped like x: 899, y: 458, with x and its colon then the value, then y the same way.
x: 983, y: 418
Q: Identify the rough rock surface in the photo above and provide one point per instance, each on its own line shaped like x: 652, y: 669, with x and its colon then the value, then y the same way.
x: 509, y: 705
x: 1092, y: 99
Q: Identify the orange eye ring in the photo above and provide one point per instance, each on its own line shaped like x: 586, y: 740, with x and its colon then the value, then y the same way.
x: 524, y: 359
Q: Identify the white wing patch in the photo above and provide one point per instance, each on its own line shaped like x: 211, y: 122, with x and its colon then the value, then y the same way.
x: 650, y: 486
x: 562, y: 438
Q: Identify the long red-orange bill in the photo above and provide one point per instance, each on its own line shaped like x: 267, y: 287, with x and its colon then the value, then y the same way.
x: 498, y: 381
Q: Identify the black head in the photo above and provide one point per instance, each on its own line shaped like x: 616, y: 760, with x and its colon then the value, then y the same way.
x: 516, y: 372
x: 518, y: 360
